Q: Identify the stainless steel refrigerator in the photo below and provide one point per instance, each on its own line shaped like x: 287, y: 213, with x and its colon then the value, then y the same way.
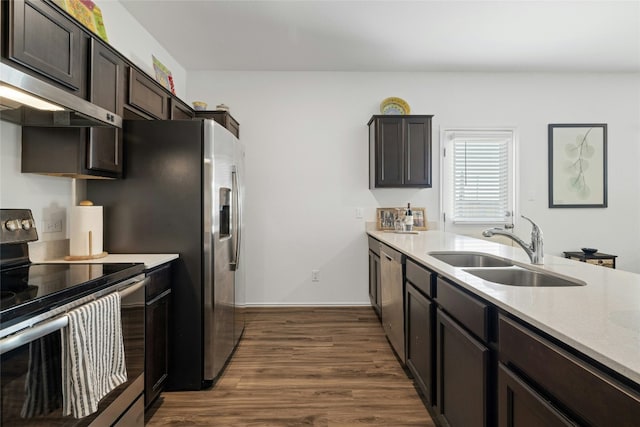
x: 183, y: 193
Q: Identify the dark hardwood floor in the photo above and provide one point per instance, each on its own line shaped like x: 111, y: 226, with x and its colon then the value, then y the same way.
x: 303, y: 367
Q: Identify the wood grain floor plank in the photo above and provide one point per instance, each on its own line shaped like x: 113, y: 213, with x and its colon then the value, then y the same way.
x: 323, y: 367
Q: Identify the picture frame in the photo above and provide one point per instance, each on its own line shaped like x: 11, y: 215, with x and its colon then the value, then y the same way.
x: 578, y: 165
x: 386, y: 217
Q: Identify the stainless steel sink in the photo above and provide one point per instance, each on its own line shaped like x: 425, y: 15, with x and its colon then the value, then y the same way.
x: 516, y: 276
x: 470, y: 259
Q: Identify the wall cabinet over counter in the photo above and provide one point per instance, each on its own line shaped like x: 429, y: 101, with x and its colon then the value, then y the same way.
x: 44, y: 43
x: 400, y: 151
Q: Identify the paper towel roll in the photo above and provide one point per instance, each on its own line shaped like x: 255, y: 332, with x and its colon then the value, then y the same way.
x: 85, y: 219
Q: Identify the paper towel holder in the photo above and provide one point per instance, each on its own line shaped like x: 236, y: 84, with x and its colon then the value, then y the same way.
x: 86, y: 257
x: 90, y: 236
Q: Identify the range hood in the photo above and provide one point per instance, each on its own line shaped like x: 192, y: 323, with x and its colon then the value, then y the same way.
x: 29, y: 101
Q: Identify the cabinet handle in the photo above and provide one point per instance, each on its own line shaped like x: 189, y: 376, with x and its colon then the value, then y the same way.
x: 159, y: 297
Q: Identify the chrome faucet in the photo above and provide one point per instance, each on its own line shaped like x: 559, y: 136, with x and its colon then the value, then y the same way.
x: 534, y: 249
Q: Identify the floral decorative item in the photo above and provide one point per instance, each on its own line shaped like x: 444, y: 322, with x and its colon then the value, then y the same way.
x: 577, y: 165
x: 87, y: 13
x: 163, y: 75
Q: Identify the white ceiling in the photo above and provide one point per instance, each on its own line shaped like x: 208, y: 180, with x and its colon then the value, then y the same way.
x: 367, y: 35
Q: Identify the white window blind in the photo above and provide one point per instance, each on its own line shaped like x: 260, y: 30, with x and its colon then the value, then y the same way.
x: 480, y: 175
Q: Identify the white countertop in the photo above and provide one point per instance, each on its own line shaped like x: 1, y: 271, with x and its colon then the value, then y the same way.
x: 149, y: 260
x: 601, y: 319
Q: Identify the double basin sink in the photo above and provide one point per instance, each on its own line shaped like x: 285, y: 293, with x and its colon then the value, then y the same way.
x: 502, y: 271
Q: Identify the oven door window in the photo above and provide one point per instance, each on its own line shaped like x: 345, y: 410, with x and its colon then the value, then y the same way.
x: 31, y: 381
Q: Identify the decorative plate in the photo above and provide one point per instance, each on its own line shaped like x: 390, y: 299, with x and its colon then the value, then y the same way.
x: 394, y: 105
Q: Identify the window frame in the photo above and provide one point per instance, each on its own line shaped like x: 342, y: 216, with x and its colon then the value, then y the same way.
x: 447, y: 204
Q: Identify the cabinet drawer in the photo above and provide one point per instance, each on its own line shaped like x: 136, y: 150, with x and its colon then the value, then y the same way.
x: 419, y: 277
x: 588, y: 393
x: 147, y: 96
x: 470, y: 312
x: 159, y: 281
x: 374, y: 245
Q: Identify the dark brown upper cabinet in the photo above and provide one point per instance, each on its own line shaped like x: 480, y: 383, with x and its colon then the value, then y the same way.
x: 147, y: 96
x: 400, y: 151
x: 180, y: 110
x: 222, y: 117
x: 106, y: 89
x: 45, y: 43
x: 94, y: 152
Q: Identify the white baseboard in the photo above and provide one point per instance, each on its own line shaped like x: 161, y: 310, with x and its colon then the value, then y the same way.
x: 309, y: 304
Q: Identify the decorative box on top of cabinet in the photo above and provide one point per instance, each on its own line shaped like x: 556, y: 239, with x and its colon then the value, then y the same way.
x: 400, y: 151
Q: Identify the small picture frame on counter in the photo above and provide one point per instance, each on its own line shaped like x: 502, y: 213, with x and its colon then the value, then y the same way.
x: 386, y: 218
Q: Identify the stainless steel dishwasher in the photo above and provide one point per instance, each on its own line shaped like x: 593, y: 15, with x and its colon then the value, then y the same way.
x: 391, y: 276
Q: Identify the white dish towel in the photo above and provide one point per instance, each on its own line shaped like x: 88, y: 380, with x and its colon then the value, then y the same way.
x: 93, y: 361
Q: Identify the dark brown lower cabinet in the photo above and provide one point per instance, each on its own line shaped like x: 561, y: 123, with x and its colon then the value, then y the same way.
x: 521, y: 406
x: 157, y: 332
x: 462, y: 375
x: 420, y: 312
x: 584, y: 392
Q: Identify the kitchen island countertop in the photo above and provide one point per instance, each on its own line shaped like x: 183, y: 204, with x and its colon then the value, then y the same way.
x: 601, y: 319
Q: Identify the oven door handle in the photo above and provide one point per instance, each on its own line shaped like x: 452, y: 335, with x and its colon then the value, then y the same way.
x: 126, y: 291
x: 39, y: 330
x: 31, y: 334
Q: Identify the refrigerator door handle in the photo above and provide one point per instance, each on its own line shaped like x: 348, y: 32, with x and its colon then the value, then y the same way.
x: 236, y: 219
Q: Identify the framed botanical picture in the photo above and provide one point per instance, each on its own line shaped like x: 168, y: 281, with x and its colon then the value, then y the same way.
x: 577, y: 165
x: 386, y: 218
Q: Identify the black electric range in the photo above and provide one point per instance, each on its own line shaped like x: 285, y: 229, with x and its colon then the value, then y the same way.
x: 32, y: 289
x: 28, y: 289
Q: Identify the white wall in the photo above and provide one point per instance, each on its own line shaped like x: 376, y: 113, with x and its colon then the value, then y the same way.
x: 47, y: 197
x: 128, y: 37
x: 307, y: 159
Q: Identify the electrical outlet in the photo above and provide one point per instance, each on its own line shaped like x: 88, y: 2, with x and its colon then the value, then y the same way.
x: 54, y: 226
x: 315, y: 275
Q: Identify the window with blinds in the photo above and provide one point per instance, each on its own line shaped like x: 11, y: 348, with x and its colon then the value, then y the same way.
x: 479, y: 171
